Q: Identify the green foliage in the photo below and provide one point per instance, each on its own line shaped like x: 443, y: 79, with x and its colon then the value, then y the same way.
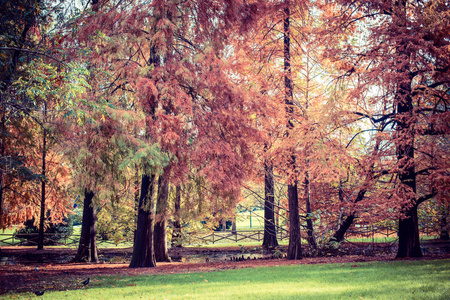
x: 56, y: 231
x: 116, y: 222
x: 278, y: 253
x: 431, y: 215
x: 44, y: 81
x: 148, y: 155
x: 14, y: 165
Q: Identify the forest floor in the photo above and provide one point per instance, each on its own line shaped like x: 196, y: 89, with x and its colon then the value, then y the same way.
x: 57, y: 272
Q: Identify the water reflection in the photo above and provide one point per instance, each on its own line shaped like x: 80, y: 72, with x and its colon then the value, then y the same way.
x: 218, y: 257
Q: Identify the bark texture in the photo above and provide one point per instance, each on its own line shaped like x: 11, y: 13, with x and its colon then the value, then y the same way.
x: 270, y: 231
x: 408, y: 235
x: 408, y: 230
x: 160, y: 234
x: 444, y: 228
x: 295, y: 248
x: 176, y: 234
x: 143, y: 251
x: 87, y: 248
x: 309, y: 221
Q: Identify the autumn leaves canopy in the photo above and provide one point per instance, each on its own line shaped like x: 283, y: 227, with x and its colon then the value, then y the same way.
x: 343, y: 102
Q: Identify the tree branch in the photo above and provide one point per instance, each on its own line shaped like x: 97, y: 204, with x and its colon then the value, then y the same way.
x: 425, y: 198
x: 32, y: 51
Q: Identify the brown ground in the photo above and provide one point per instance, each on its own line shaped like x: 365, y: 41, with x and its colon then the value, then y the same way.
x: 56, y: 272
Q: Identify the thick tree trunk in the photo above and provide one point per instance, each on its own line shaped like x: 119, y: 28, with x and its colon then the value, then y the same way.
x: 408, y: 235
x: 408, y: 231
x: 160, y: 234
x: 143, y: 251
x: 409, y: 244
x: 136, y: 198
x: 295, y: 246
x: 87, y: 248
x: 408, y: 225
x: 176, y: 234
x: 136, y: 191
x: 270, y: 232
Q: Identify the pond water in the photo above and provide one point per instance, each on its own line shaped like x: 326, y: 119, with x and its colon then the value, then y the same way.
x: 218, y: 257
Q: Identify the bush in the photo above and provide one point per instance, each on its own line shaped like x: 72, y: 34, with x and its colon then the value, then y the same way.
x: 58, y: 231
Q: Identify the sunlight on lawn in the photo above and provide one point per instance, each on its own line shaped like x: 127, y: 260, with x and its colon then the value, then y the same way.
x: 374, y: 280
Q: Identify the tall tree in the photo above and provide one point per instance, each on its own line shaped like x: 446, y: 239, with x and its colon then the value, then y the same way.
x: 295, y: 248
x: 406, y: 53
x: 33, y: 75
x: 43, y: 173
x: 181, y: 78
x: 16, y: 25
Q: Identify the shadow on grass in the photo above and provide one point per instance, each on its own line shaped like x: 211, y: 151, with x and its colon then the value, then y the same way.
x: 373, y: 280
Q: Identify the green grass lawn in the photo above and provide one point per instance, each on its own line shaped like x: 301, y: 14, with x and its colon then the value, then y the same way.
x: 247, y: 220
x: 373, y: 280
x: 5, y: 237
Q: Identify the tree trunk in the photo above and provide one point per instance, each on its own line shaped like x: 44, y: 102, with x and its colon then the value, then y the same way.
x: 87, y: 248
x: 176, y: 234
x: 136, y: 198
x: 338, y: 236
x: 444, y: 228
x: 143, y: 251
x: 295, y: 247
x: 344, y: 225
x: 270, y: 232
x: 409, y: 244
x: 43, y: 180
x: 160, y: 234
x: 233, y: 226
x: 408, y: 235
x: 309, y: 222
x: 307, y: 183
x: 408, y: 231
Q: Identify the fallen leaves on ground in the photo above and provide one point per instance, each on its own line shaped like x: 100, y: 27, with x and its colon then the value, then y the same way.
x: 68, y: 276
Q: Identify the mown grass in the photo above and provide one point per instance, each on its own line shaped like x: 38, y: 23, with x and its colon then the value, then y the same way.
x: 245, y: 219
x: 373, y: 280
x: 239, y: 244
x: 5, y: 236
x: 390, y: 239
